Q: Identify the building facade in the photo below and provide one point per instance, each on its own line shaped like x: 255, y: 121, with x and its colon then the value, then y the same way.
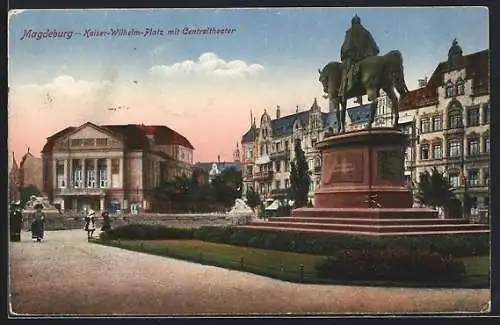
x: 27, y: 173
x: 448, y: 119
x: 268, y: 150
x: 112, y: 166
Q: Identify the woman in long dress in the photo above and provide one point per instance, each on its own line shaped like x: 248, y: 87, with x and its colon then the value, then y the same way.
x: 90, y: 223
x: 37, y: 226
x: 106, y: 224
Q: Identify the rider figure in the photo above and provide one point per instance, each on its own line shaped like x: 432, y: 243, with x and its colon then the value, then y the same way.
x: 358, y: 45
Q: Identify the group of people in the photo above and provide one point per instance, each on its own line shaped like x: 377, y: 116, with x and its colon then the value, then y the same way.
x: 38, y: 222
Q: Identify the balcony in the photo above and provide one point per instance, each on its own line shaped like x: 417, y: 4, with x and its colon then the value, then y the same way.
x: 279, y: 193
x: 280, y: 154
x: 454, y: 130
x: 85, y: 191
x: 264, y: 176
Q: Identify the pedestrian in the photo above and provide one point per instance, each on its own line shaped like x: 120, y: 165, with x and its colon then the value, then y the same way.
x: 90, y: 223
x: 16, y: 221
x: 38, y: 224
x: 106, y: 224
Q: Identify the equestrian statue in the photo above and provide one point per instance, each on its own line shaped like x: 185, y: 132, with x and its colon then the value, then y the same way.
x: 362, y: 72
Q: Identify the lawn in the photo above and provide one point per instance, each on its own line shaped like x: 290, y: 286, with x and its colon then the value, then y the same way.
x: 289, y: 266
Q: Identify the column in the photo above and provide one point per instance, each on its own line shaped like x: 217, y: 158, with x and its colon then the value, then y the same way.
x: 121, y: 173
x: 101, y: 204
x: 82, y: 161
x: 54, y: 173
x: 70, y: 176
x: 108, y: 172
x: 96, y: 173
x: 66, y: 173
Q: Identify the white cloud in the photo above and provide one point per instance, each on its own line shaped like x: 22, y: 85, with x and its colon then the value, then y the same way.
x: 209, y: 64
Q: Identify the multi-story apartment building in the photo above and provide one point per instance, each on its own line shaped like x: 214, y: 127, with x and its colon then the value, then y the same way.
x: 112, y: 166
x: 27, y: 173
x: 451, y: 124
x: 268, y: 150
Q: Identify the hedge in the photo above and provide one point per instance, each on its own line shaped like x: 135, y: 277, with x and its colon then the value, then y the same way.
x: 455, y: 245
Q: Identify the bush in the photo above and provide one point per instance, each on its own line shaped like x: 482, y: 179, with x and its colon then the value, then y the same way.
x: 456, y: 245
x: 147, y: 232
x: 393, y: 264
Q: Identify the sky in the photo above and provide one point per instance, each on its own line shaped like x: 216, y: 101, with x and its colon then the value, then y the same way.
x: 205, y: 87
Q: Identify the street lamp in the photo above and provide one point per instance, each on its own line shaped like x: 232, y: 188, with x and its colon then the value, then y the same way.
x: 466, y: 199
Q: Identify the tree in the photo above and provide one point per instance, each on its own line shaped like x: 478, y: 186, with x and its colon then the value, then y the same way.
x: 27, y: 192
x: 253, y: 198
x: 434, y: 190
x: 227, y: 186
x: 300, y: 178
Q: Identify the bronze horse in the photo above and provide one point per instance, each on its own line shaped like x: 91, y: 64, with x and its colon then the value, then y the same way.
x: 375, y: 73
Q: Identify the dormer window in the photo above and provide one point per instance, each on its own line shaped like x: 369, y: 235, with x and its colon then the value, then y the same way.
x: 449, y: 89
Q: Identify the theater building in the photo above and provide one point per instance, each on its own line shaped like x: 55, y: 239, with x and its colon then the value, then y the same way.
x: 112, y: 166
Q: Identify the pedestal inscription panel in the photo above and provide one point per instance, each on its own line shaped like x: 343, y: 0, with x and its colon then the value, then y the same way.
x: 390, y: 165
x: 342, y: 167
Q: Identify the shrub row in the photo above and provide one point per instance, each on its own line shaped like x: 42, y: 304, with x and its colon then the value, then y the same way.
x: 147, y: 232
x: 391, y: 264
x: 455, y: 245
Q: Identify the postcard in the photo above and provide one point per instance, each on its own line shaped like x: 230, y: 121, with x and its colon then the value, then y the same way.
x: 249, y: 161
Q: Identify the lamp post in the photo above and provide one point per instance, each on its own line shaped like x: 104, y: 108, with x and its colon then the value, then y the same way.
x: 466, y: 198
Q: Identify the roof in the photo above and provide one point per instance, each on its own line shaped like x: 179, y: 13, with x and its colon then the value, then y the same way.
x: 330, y: 120
x: 251, y: 134
x: 207, y: 166
x: 284, y: 125
x: 360, y: 114
x: 135, y: 136
x: 477, y: 68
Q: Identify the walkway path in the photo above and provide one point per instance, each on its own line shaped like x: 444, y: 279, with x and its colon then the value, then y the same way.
x: 67, y: 275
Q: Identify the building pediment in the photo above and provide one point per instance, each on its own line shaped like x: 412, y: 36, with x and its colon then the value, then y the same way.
x: 89, y: 136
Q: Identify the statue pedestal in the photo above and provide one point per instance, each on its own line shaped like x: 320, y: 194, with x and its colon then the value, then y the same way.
x: 357, y: 164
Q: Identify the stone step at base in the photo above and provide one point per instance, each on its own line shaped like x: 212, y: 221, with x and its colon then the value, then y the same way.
x: 364, y: 233
x: 365, y: 213
x: 364, y: 221
x: 372, y: 228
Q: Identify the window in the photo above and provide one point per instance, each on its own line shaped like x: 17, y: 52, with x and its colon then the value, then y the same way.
x: 313, y: 142
x: 102, y: 142
x: 78, y: 177
x: 454, y: 148
x: 486, y: 144
x: 424, y: 152
x: 287, y: 147
x: 449, y: 89
x: 436, y: 123
x: 454, y: 179
x: 486, y: 176
x: 455, y: 119
x: 91, y: 181
x: 473, y: 116
x: 287, y: 183
x: 460, y: 87
x: 436, y: 151
x: 76, y: 142
x: 473, y: 146
x: 262, y: 153
x: 425, y: 125
x: 473, y: 177
x: 278, y: 185
x: 60, y: 181
x: 277, y: 147
x: 278, y: 165
x: 88, y: 142
x: 103, y: 178
x: 287, y: 165
x: 486, y: 113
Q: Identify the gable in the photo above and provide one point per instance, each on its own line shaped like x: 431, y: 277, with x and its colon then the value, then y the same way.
x: 89, y: 136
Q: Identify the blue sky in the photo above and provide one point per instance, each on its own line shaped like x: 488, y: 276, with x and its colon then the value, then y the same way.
x: 289, y: 44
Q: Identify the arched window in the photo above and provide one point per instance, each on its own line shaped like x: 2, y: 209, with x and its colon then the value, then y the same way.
x: 449, y: 89
x: 455, y: 118
x: 473, y: 145
x: 460, y: 87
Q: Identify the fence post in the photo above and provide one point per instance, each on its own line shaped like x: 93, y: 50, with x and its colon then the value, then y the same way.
x: 242, y: 262
x: 142, y: 245
x: 301, y: 267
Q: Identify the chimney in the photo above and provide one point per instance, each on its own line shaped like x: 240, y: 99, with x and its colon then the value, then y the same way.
x: 218, y: 159
x: 278, y: 111
x: 422, y: 82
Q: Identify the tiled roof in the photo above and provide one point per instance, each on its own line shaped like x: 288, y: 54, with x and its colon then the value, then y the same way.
x: 477, y: 68
x: 359, y: 114
x: 251, y: 134
x: 134, y: 135
x: 284, y: 125
x: 330, y: 120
